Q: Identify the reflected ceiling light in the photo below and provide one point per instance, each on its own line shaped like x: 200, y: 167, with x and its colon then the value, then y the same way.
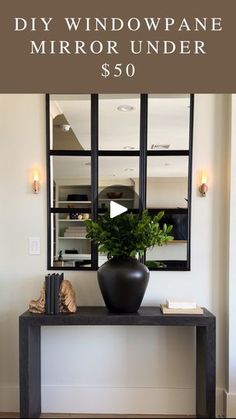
x: 64, y: 127
x: 125, y: 108
x: 129, y: 169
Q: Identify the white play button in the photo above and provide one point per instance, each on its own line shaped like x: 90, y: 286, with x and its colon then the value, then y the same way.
x: 116, y: 209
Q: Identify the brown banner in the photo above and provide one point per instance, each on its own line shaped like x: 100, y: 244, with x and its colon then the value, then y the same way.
x: 165, y: 46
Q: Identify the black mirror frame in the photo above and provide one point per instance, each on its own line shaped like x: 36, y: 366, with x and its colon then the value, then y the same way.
x: 143, y: 153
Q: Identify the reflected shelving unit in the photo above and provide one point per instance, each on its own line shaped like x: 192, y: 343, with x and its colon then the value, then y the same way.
x: 70, y: 237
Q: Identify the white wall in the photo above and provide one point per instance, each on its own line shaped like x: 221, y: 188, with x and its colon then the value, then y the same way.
x: 131, y: 370
x: 167, y: 192
x: 231, y: 361
x: 173, y: 251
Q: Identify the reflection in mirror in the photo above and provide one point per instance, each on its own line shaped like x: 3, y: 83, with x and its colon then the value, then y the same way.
x: 168, y: 122
x: 70, y: 122
x: 118, y: 182
x: 167, y: 189
x: 119, y: 121
x: 71, y: 182
x: 70, y: 247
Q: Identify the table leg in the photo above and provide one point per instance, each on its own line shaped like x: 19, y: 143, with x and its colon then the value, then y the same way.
x: 206, y: 370
x: 30, y: 370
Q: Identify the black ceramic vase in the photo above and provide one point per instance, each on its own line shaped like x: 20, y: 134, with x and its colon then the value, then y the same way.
x: 123, y: 282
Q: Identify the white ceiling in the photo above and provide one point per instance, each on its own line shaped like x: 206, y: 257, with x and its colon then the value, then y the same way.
x: 168, y: 124
x: 122, y: 168
x: 168, y: 120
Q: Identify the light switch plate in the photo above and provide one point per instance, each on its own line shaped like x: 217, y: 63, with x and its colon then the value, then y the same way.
x: 34, y: 245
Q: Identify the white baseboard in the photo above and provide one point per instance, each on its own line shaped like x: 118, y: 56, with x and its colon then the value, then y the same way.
x: 230, y: 404
x: 112, y: 400
x: 74, y: 399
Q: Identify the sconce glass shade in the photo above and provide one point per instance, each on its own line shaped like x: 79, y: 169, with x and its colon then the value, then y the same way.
x: 203, y: 188
x: 36, y: 183
x: 204, y: 178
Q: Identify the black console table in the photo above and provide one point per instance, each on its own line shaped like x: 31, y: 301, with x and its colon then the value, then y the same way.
x: 30, y: 349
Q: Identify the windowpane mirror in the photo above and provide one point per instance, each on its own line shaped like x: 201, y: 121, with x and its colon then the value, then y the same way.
x: 70, y: 122
x: 168, y: 122
x: 135, y: 150
x: 119, y: 118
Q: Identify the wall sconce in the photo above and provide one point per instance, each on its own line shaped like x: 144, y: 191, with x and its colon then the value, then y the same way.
x: 203, y: 188
x: 36, y: 183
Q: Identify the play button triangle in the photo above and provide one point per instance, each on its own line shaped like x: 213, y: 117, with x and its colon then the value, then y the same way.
x: 116, y: 209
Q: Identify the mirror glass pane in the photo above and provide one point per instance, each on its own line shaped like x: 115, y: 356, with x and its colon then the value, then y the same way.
x: 119, y: 122
x: 71, y: 180
x: 168, y: 122
x: 70, y: 247
x: 70, y: 122
x: 167, y: 189
x: 118, y: 182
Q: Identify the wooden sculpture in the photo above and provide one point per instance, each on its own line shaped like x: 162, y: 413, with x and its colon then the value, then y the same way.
x: 38, y: 306
x: 67, y: 300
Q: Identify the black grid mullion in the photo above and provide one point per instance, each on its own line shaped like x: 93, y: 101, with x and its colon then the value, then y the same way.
x: 190, y: 163
x: 168, y: 153
x: 143, y: 155
x: 70, y: 153
x: 49, y: 243
x: 94, y: 171
x: 119, y: 153
x: 143, y: 150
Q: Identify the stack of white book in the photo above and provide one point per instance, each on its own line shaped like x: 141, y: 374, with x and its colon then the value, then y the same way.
x: 181, y: 307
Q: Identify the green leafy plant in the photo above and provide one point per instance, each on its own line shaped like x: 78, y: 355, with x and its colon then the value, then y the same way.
x: 154, y: 264
x: 128, y: 234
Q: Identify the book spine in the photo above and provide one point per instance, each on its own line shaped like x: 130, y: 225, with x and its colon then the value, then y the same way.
x: 61, y: 279
x: 47, y: 294
x: 56, y: 294
x: 52, y: 294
